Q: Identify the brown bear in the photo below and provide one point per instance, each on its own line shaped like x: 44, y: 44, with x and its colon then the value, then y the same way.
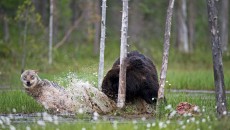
x: 141, y: 79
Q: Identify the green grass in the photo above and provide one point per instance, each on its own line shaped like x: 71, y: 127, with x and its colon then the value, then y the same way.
x: 18, y: 102
x: 194, y: 79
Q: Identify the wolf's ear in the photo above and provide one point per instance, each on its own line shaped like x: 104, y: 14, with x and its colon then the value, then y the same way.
x: 36, y: 71
x: 22, y: 71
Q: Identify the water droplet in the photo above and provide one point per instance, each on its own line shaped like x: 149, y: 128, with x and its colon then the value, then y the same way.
x: 14, y: 110
x: 12, y: 127
x: 80, y: 111
x: 148, y: 125
x: 41, y: 123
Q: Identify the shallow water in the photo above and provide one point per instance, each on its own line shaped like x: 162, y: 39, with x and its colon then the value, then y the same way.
x: 34, y: 117
x: 56, y: 119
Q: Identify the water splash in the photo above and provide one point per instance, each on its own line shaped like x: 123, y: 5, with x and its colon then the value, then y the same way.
x: 67, y: 79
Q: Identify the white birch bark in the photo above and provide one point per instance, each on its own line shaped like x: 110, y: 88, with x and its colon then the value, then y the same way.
x: 51, y: 32
x: 161, y: 97
x: 166, y: 49
x: 182, y: 27
x: 123, y: 55
x: 102, y: 44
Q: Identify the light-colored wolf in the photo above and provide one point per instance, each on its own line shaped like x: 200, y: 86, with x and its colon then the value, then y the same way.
x: 80, y: 96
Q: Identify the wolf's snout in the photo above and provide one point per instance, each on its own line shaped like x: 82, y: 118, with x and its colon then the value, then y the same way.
x: 28, y: 83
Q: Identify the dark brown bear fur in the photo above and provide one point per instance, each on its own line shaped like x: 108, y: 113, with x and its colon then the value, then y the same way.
x: 141, y: 79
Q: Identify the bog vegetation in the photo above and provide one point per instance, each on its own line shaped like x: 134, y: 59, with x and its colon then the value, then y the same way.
x: 24, y: 45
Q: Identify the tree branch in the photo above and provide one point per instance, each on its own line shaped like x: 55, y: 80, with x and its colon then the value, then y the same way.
x: 68, y: 33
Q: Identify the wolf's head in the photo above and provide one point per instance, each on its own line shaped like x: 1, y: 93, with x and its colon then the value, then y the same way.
x: 30, y: 78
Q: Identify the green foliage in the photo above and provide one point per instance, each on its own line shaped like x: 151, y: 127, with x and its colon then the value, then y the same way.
x: 146, y: 7
x: 10, y: 6
x: 5, y: 51
x: 26, y: 13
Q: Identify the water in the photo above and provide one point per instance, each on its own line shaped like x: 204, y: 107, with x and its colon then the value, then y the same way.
x: 35, y: 117
x: 41, y: 119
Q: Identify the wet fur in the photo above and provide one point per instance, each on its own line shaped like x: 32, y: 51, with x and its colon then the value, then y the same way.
x: 141, y: 79
x: 56, y: 99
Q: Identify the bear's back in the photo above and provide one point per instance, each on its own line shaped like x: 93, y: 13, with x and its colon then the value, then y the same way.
x: 141, y: 78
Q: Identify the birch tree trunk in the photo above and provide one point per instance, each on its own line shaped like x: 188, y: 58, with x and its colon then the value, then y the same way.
x: 217, y: 58
x: 166, y: 49
x: 182, y: 36
x: 160, y: 100
x: 102, y: 44
x: 123, y: 55
x: 224, y: 24
x: 51, y: 32
x: 191, y: 24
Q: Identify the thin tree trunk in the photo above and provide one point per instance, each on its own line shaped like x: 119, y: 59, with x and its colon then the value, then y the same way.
x: 44, y: 11
x: 166, y: 49
x: 6, y: 29
x: 123, y: 55
x: 24, y: 42
x: 73, y: 6
x: 191, y: 24
x: 88, y: 21
x: 102, y: 44
x: 217, y: 58
x: 40, y: 6
x: 51, y: 32
x: 224, y: 24
x: 182, y: 36
x: 160, y: 100
x: 97, y: 27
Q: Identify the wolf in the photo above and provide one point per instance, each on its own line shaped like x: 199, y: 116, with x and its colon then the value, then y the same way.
x: 57, y: 99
